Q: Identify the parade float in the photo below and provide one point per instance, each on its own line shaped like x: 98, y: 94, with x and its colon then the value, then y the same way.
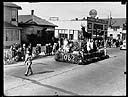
x: 79, y: 56
x: 78, y: 51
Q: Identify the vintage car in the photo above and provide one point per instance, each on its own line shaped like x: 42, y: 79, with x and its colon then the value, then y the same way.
x: 80, y: 57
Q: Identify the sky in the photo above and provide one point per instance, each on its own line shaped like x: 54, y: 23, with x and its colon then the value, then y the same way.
x: 72, y: 10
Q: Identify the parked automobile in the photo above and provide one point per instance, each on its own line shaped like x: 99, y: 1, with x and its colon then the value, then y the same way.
x: 123, y: 46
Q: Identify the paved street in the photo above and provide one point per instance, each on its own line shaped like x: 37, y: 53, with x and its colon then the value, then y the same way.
x: 105, y: 77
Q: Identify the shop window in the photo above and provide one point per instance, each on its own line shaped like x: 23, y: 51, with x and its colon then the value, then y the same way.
x: 71, y: 36
x: 66, y: 35
x: 56, y: 31
x: 63, y: 35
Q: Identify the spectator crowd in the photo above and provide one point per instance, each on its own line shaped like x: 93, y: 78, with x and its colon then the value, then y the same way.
x: 17, y: 52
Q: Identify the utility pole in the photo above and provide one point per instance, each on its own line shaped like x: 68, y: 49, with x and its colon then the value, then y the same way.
x: 110, y: 20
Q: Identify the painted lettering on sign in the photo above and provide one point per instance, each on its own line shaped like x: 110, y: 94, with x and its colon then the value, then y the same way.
x: 93, y: 13
x: 67, y: 57
x: 97, y: 20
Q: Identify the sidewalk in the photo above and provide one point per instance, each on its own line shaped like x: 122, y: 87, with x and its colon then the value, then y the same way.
x: 41, y: 55
x: 20, y: 63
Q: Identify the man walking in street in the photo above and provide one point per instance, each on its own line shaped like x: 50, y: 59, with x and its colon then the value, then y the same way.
x: 28, y: 61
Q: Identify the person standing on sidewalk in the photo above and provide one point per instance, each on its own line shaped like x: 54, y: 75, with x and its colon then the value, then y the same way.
x: 88, y: 46
x: 28, y: 61
x: 24, y: 51
x: 30, y: 48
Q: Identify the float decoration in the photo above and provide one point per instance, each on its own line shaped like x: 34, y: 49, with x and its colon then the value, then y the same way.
x: 79, y: 56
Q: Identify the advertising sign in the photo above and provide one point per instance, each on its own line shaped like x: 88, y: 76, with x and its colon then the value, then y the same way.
x: 97, y: 20
x: 93, y: 13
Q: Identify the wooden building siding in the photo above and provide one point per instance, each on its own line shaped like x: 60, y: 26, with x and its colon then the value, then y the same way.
x: 8, y: 15
x: 17, y: 39
x: 11, y: 30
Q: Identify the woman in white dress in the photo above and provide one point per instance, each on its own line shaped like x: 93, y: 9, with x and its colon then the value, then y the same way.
x: 88, y: 46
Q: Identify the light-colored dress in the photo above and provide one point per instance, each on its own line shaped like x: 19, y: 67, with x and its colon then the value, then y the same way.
x: 91, y: 45
x: 65, y: 44
x: 88, y: 46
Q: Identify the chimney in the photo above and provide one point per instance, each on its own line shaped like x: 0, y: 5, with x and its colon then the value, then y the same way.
x: 32, y: 12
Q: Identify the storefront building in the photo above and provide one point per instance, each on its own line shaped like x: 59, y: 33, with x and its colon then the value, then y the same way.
x: 97, y: 27
x: 91, y: 27
x: 71, y: 29
x: 68, y: 29
x: 116, y: 30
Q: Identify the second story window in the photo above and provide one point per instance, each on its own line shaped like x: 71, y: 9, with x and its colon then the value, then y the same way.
x: 71, y: 36
x: 14, y: 15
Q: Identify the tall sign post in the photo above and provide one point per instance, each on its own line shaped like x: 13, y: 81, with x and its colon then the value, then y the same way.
x: 94, y: 25
x: 93, y: 14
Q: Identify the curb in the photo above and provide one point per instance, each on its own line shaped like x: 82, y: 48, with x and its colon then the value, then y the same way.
x: 22, y: 63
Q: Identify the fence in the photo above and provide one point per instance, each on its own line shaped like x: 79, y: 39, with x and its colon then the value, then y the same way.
x: 7, y: 55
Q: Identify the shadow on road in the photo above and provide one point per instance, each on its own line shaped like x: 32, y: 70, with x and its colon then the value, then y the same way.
x: 89, y: 61
x: 39, y: 64
x: 48, y: 86
x: 41, y: 56
x: 34, y: 73
x: 42, y: 72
